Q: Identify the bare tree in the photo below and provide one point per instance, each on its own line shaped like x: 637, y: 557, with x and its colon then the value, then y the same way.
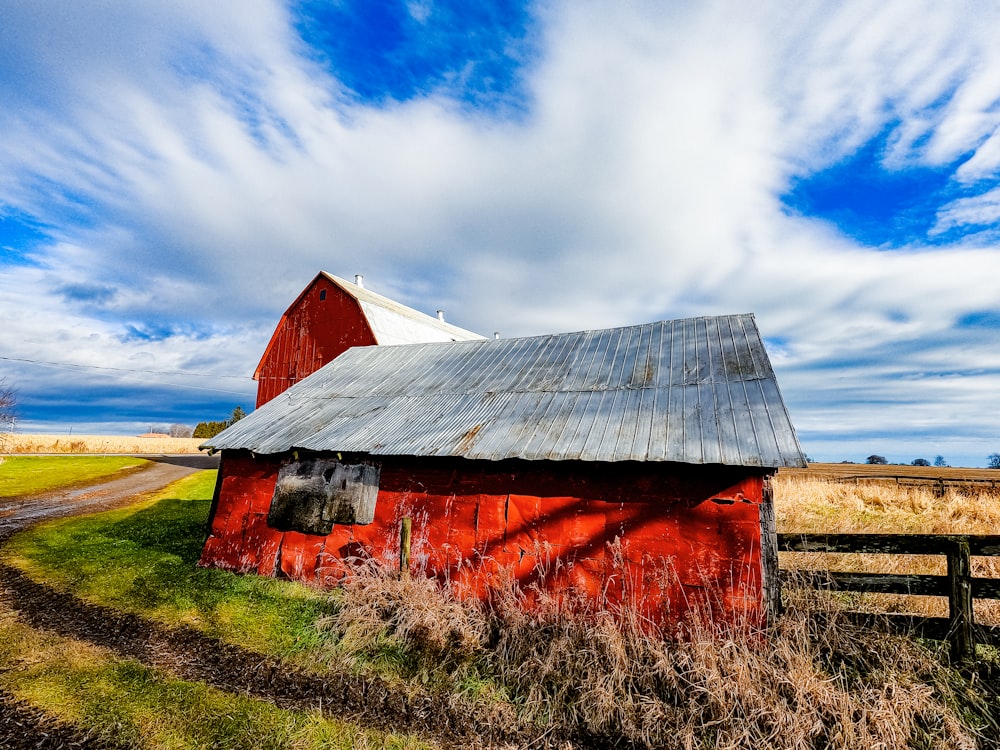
x: 8, y: 404
x: 180, y: 431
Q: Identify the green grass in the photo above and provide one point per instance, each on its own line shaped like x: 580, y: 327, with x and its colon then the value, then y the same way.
x: 27, y: 475
x: 134, y: 705
x: 143, y: 559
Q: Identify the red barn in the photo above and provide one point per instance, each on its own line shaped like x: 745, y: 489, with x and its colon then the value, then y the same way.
x: 630, y: 463
x: 328, y: 318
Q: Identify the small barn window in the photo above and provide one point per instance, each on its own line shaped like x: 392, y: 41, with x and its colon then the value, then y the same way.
x: 312, y: 495
x: 322, y: 294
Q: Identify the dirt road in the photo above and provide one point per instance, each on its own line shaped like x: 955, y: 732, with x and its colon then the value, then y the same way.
x: 17, y: 513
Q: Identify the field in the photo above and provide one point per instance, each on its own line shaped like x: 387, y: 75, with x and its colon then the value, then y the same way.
x: 904, y: 472
x: 854, y: 498
x: 11, y: 443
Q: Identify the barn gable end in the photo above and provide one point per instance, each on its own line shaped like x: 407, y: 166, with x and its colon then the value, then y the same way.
x: 329, y: 317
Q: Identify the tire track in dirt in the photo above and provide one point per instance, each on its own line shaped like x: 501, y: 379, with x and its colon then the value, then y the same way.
x: 190, y: 655
x: 21, y: 725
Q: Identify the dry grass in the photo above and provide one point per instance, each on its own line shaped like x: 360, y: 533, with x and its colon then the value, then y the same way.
x: 604, y: 679
x: 11, y: 443
x: 815, y: 502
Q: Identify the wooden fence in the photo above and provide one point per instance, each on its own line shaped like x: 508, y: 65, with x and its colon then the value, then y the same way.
x: 938, y: 484
x: 959, y: 629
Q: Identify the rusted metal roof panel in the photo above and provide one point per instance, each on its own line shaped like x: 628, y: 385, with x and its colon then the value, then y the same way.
x: 698, y: 391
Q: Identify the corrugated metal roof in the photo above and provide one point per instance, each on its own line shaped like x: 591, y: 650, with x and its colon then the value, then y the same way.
x: 697, y: 391
x: 393, y: 323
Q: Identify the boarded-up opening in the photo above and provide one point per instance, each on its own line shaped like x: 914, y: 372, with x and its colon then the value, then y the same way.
x: 313, y: 494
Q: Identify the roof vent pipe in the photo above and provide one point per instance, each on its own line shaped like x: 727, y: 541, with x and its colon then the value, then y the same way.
x: 441, y: 315
x: 359, y: 280
x: 496, y: 334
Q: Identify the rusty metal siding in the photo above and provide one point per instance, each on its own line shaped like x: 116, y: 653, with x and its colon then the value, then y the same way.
x: 697, y: 391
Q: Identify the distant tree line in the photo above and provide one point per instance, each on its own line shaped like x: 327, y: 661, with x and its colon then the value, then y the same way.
x: 992, y: 461
x: 211, y: 429
x: 938, y: 461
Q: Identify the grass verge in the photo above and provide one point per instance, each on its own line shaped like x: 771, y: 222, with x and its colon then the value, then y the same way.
x: 28, y: 475
x: 143, y: 559
x: 133, y: 705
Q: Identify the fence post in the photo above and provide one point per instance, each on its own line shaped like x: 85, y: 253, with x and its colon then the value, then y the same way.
x: 405, y: 532
x: 769, y: 553
x: 960, y: 636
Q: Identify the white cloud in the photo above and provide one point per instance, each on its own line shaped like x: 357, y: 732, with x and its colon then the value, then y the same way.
x: 980, y: 210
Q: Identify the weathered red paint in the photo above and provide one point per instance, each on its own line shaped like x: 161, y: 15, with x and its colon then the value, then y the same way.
x: 311, y: 333
x: 663, y: 538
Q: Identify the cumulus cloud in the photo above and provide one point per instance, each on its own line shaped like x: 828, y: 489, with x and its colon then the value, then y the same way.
x: 194, y: 166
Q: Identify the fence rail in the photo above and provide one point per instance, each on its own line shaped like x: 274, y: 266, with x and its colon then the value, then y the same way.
x: 938, y: 484
x: 960, y: 629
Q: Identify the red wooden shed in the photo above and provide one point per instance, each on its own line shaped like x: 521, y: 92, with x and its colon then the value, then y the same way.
x: 625, y: 463
x: 329, y: 317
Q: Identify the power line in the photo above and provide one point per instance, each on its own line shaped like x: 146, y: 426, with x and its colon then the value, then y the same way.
x: 70, y: 365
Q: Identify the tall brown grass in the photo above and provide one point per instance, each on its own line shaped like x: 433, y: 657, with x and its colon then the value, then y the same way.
x: 604, y: 678
x: 12, y: 443
x: 817, y: 504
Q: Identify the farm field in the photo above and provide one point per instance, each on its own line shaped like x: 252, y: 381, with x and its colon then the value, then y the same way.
x: 862, y: 499
x: 15, y: 443
x: 892, y: 471
x: 855, y: 498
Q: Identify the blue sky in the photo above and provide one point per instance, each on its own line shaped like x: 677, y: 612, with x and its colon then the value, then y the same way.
x: 172, y: 174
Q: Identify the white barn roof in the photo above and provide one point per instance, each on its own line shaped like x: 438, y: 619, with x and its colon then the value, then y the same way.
x: 393, y: 323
